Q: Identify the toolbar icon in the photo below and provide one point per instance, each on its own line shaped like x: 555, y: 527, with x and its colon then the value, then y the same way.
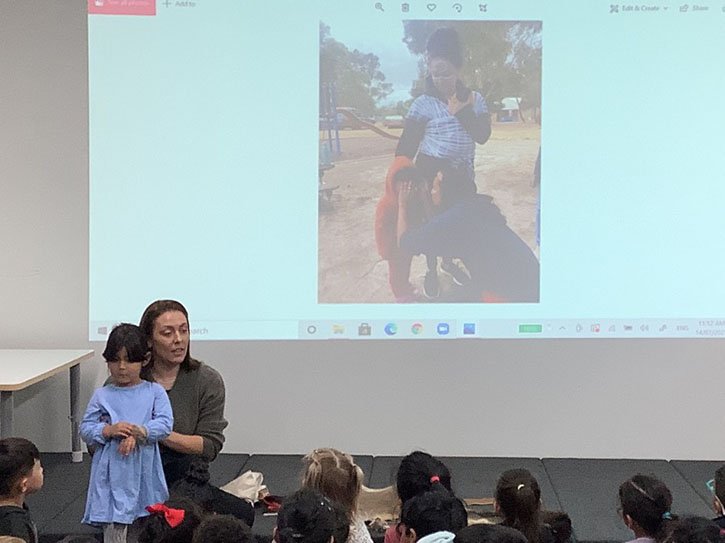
x: 458, y: 7
x: 364, y: 329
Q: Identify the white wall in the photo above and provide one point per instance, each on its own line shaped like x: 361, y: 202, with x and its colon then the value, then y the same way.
x: 623, y: 398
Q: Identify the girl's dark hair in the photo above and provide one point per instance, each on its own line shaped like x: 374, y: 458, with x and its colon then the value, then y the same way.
x: 647, y: 501
x: 148, y: 319
x: 309, y: 517
x: 444, y: 43
x: 155, y: 529
x: 489, y: 533
x: 126, y: 336
x: 693, y: 529
x: 519, y: 498
x: 415, y: 473
x: 434, y: 511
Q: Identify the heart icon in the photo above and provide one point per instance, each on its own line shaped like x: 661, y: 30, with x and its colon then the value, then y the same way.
x: 431, y: 7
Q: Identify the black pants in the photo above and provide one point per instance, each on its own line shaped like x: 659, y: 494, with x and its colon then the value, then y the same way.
x: 188, y: 475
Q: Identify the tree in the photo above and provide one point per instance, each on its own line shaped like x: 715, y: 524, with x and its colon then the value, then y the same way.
x: 356, y: 75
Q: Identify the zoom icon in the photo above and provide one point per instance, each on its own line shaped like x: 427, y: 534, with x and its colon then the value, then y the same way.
x: 391, y: 329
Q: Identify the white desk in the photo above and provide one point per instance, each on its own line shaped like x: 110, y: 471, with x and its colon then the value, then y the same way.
x: 20, y: 368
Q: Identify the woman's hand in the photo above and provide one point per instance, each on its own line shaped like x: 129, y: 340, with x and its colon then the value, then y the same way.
x: 455, y: 105
x: 120, y: 429
x: 127, y: 445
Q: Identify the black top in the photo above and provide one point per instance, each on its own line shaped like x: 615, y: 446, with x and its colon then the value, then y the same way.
x: 16, y: 522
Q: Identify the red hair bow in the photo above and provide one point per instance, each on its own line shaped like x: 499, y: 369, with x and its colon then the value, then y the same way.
x: 173, y: 517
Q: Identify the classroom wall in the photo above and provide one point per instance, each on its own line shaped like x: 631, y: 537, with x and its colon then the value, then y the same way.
x: 595, y: 398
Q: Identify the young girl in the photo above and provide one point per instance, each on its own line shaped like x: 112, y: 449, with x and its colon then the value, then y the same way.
x: 336, y: 476
x: 124, y: 422
x: 172, y: 522
x: 518, y: 501
x: 645, y: 503
x: 420, y: 472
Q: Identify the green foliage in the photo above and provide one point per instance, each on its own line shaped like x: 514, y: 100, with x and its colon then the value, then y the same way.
x: 356, y: 75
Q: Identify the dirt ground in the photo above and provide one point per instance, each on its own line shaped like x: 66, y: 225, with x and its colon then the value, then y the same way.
x: 349, y: 267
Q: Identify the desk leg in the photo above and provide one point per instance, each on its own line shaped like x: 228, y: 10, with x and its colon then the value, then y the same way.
x: 6, y: 414
x: 75, y: 387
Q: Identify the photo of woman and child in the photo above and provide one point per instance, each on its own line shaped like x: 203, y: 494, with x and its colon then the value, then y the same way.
x: 441, y: 198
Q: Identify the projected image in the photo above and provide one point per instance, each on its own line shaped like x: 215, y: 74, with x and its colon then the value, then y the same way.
x: 429, y: 162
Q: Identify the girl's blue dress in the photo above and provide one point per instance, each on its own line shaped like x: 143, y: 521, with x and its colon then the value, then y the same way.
x: 120, y: 486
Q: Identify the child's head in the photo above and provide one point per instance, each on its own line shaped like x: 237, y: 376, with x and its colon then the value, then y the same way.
x: 518, y: 500
x: 171, y: 522
x: 694, y: 530
x: 719, y: 490
x: 20, y: 470
x: 335, y: 475
x: 645, y: 504
x: 126, y: 353
x: 222, y: 529
x: 489, y: 533
x: 434, y: 511
x: 309, y: 517
x: 417, y: 474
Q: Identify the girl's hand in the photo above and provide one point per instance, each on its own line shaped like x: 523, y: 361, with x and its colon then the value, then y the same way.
x: 127, y: 445
x: 139, y: 432
x: 455, y: 105
x: 120, y: 429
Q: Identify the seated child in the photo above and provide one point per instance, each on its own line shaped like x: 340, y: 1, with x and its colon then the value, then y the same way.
x: 645, y: 503
x: 170, y: 522
x: 124, y: 421
x: 418, y: 472
x: 431, y: 517
x: 20, y: 474
x: 309, y: 517
x: 518, y: 501
x: 335, y: 475
x: 223, y: 529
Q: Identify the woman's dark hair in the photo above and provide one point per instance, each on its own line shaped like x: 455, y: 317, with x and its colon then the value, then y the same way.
x: 148, y: 319
x: 444, y: 43
x: 309, y: 517
x: 223, y: 529
x: 489, y: 533
x: 155, y: 528
x: 519, y: 498
x: 433, y: 511
x: 129, y: 337
x: 647, y: 501
x: 415, y: 473
x: 17, y: 459
x: 693, y: 529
